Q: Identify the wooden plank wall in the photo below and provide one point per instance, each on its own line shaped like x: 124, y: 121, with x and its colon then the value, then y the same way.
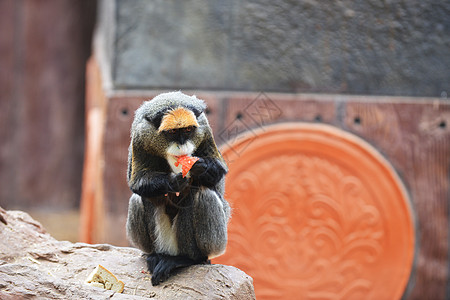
x: 44, y: 46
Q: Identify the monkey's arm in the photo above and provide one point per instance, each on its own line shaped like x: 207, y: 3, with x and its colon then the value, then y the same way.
x: 150, y: 184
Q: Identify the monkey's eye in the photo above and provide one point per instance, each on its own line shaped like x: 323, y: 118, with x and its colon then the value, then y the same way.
x: 188, y: 129
x: 171, y: 131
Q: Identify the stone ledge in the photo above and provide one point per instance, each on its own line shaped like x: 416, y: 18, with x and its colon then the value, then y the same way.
x: 34, y: 264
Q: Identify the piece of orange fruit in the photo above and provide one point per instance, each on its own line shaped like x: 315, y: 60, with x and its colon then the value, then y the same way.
x: 186, y: 163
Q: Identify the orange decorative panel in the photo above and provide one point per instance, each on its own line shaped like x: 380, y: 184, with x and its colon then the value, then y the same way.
x: 317, y: 214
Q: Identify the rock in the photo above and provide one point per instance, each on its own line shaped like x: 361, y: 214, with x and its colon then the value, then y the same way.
x: 34, y: 264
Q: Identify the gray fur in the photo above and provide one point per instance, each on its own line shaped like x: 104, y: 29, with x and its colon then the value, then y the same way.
x: 140, y: 224
x: 211, y: 236
x: 160, y: 102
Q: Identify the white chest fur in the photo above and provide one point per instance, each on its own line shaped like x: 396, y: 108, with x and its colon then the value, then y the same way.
x: 165, y: 233
x: 172, y: 160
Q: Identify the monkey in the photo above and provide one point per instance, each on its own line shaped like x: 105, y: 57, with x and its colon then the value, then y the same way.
x: 176, y: 221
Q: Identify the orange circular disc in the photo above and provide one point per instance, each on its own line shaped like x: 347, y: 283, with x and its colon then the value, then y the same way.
x: 317, y: 214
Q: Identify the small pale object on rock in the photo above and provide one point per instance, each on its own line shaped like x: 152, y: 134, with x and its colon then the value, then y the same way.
x: 103, y: 278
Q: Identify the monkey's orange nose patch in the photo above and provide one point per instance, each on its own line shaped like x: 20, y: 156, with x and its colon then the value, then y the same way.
x: 178, y: 118
x: 186, y: 163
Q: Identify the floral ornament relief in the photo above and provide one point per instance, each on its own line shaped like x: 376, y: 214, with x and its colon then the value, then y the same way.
x: 313, y: 225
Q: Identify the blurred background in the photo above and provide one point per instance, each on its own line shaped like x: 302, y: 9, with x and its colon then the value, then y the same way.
x: 44, y: 46
x: 73, y: 72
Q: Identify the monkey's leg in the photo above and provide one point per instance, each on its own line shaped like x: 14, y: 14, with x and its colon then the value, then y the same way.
x: 210, y: 218
x: 163, y: 265
x: 140, y: 224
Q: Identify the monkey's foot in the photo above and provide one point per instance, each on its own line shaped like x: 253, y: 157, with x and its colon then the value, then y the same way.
x: 152, y: 261
x: 163, y: 266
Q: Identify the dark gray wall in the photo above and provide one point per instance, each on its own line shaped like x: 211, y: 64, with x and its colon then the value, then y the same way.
x: 364, y: 47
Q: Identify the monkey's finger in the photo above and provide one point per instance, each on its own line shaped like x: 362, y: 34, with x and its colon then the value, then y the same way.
x: 162, y: 271
x: 156, y: 279
x: 152, y: 262
x: 199, y: 168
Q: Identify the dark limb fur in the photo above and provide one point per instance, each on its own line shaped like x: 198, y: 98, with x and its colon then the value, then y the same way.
x: 152, y: 184
x: 163, y: 266
x: 207, y: 172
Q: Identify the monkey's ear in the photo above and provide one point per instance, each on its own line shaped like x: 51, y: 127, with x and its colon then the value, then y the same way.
x: 156, y: 119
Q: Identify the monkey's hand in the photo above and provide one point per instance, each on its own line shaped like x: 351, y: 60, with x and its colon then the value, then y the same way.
x: 157, y: 184
x: 207, y: 171
x: 177, y: 183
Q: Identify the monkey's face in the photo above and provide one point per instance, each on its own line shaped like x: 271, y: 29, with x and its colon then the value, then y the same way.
x: 179, y: 126
x: 180, y: 140
x: 180, y: 135
x: 171, y: 131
